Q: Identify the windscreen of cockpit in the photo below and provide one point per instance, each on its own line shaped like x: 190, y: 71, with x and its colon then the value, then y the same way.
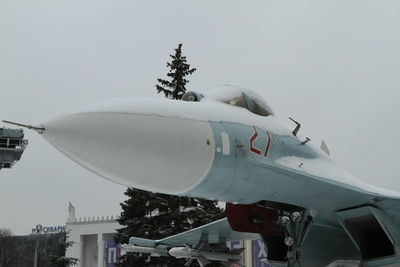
x: 246, y: 99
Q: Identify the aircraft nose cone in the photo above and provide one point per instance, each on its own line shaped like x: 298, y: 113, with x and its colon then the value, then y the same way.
x: 146, y: 151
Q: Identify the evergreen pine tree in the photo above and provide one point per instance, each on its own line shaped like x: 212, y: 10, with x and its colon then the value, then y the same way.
x: 59, y: 259
x: 155, y: 216
x: 179, y: 69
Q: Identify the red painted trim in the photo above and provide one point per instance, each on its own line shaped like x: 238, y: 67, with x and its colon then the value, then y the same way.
x: 268, y: 145
x: 241, y: 219
x: 252, y: 139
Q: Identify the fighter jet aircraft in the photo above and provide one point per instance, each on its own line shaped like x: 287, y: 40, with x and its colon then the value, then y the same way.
x: 228, y: 145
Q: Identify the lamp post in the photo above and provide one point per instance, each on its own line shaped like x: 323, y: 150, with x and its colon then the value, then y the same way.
x: 35, y: 253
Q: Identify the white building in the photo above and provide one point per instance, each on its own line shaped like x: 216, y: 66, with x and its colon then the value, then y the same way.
x: 93, y: 240
x: 94, y: 243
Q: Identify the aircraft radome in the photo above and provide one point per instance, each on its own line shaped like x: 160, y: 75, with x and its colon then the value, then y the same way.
x: 228, y: 145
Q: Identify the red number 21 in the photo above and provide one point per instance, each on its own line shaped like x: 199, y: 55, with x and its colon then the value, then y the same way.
x: 255, y: 150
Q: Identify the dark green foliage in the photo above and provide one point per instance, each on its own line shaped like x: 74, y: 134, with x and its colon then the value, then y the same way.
x: 19, y: 251
x: 155, y: 216
x: 5, y: 232
x: 179, y: 69
x: 58, y: 259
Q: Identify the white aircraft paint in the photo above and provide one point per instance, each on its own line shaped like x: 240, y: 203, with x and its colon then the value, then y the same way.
x: 226, y: 146
x: 324, y: 167
x: 167, y: 155
x: 155, y: 135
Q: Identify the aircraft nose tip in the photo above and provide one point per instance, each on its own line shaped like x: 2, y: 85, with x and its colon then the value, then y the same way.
x: 172, y: 252
x: 176, y: 252
x: 150, y: 152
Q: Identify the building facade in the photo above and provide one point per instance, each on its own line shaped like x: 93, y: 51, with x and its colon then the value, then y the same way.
x: 94, y: 243
x: 93, y: 240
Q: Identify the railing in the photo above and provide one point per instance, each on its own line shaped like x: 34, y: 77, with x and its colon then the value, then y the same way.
x: 12, y: 145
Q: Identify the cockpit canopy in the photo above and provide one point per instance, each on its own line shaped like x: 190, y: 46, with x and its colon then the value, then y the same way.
x: 246, y: 102
x: 236, y: 96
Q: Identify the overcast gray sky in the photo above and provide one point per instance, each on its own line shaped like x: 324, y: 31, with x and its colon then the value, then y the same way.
x: 332, y: 65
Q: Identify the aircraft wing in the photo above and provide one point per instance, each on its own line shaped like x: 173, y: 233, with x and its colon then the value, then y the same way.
x: 212, y: 233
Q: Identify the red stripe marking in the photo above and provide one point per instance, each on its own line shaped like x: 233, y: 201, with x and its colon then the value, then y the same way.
x: 268, y: 145
x: 252, y: 139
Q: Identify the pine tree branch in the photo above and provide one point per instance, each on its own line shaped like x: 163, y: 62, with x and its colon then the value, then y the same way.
x: 178, y: 70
